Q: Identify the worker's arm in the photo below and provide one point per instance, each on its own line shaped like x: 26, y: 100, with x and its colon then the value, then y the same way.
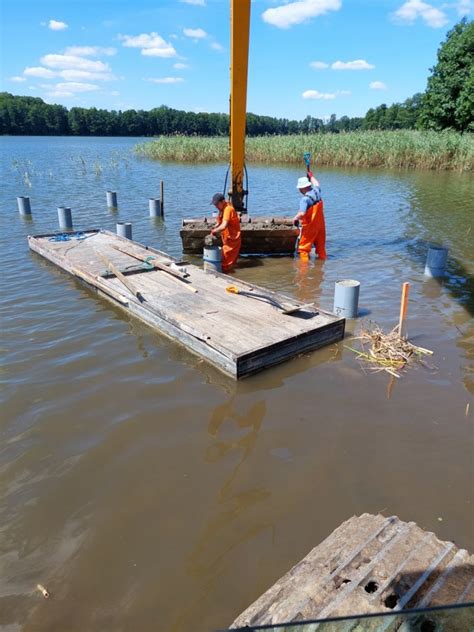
x: 299, y: 215
x: 219, y: 227
x: 312, y: 179
x: 305, y: 203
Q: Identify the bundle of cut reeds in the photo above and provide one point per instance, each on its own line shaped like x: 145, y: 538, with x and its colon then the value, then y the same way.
x: 388, y: 352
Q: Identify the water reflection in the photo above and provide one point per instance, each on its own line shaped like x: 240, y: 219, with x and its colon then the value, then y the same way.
x: 308, y: 278
x: 231, y: 525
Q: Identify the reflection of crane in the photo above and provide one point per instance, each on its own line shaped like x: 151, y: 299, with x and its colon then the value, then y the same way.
x: 239, y: 54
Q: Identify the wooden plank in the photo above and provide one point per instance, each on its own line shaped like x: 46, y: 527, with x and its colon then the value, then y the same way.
x: 160, y: 266
x: 121, y: 277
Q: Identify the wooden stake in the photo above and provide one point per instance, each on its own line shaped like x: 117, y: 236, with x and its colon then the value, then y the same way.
x: 162, y: 200
x: 403, y: 308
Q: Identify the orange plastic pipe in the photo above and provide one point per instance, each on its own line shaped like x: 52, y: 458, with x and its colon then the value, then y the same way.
x: 403, y: 307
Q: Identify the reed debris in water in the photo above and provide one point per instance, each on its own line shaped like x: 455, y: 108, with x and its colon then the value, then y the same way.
x: 388, y: 352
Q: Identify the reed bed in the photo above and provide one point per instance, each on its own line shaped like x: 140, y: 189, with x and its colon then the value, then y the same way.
x: 388, y: 352
x: 404, y: 149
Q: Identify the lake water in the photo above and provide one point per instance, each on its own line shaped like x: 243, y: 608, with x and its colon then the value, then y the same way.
x: 149, y: 492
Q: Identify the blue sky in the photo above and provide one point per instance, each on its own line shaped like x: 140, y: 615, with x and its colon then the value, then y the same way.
x: 310, y: 57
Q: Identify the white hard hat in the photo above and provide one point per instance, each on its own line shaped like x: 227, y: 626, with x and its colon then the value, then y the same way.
x: 303, y: 183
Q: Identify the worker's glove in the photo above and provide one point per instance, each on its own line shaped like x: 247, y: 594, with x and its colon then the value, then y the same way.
x: 310, y: 174
x: 296, y: 222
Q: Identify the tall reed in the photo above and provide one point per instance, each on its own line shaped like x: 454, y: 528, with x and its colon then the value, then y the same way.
x: 404, y: 149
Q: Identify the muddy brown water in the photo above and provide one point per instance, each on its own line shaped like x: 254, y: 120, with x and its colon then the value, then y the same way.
x: 146, y: 490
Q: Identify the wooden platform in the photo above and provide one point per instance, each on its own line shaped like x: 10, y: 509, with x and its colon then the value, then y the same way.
x: 240, y: 334
x: 369, y: 564
x: 260, y: 235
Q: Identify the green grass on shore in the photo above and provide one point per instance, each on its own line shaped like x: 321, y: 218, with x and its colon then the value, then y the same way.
x: 404, y: 149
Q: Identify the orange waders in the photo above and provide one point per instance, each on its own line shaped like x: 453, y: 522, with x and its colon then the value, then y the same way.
x: 313, y: 231
x: 231, y: 239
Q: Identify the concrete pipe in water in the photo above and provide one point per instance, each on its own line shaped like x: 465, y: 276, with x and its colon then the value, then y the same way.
x: 436, y: 262
x: 65, y: 218
x: 124, y: 229
x: 212, y: 258
x: 346, y: 298
x: 24, y: 205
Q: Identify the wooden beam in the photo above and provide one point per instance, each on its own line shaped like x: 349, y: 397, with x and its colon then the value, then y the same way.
x: 121, y: 277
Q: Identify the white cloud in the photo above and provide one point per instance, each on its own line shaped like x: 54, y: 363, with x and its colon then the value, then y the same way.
x: 377, y: 85
x: 166, y: 80
x: 17, y: 79
x: 152, y: 44
x: 318, y: 65
x: 314, y: 94
x: 195, y: 33
x: 72, y: 74
x: 72, y: 86
x: 296, y: 12
x: 39, y: 71
x: 91, y: 51
x: 70, y: 68
x: 54, y: 25
x: 413, y: 9
x: 216, y: 46
x: 324, y: 96
x: 180, y: 66
x: 67, y: 62
x: 69, y: 89
x: 197, y: 3
x: 464, y: 7
x: 357, y: 64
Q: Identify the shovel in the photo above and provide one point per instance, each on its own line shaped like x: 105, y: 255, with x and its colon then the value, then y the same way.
x: 232, y: 289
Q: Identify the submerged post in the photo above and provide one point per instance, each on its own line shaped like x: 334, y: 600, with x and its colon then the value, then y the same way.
x: 436, y: 262
x: 346, y: 298
x: 162, y: 199
x: 111, y: 199
x: 124, y: 229
x: 24, y: 206
x: 65, y: 218
x: 154, y: 204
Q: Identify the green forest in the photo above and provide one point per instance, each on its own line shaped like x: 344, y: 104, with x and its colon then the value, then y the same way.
x: 447, y: 103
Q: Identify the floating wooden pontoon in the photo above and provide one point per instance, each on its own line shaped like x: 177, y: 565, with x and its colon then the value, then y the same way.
x: 260, y: 235
x: 239, y: 333
x: 369, y: 564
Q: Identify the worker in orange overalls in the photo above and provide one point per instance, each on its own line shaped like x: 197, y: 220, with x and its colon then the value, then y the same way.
x: 228, y: 225
x: 311, y: 215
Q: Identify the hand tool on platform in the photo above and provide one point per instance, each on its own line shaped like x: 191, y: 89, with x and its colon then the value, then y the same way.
x: 121, y: 277
x: 289, y: 309
x: 151, y: 260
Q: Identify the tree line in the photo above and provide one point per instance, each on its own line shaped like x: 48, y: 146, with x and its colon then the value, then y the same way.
x: 448, y: 102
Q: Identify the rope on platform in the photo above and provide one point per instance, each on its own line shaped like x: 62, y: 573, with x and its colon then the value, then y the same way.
x: 67, y: 237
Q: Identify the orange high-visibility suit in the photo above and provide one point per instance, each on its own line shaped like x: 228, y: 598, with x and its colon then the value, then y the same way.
x: 313, y: 231
x: 231, y: 239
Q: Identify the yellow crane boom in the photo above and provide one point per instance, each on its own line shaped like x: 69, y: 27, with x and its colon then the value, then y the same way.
x: 239, y: 45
